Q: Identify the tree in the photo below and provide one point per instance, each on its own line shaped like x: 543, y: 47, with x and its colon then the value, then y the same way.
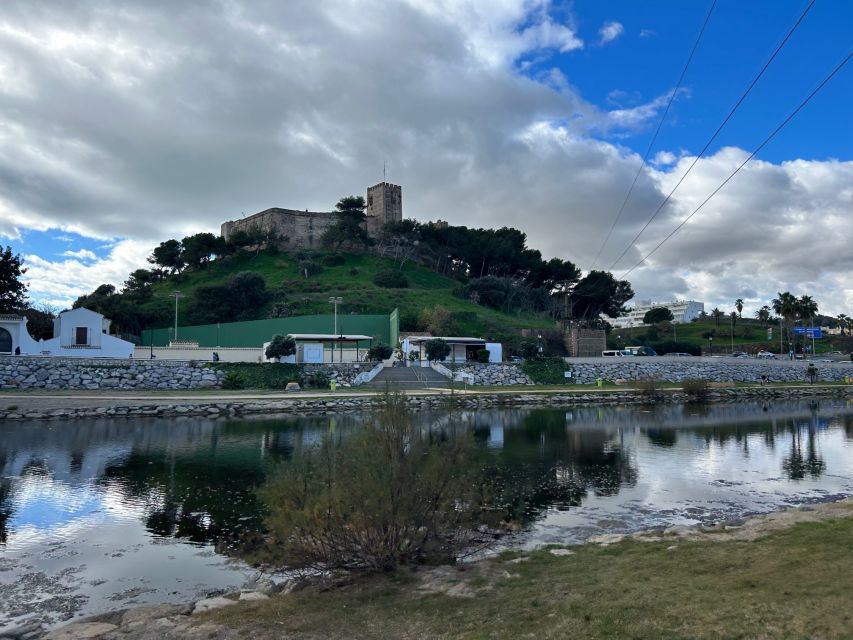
x: 739, y: 306
x: 785, y: 306
x: 138, y: 281
x: 763, y: 315
x: 657, y: 314
x: 436, y: 349
x: 168, y: 255
x: 280, y: 347
x: 198, y: 249
x: 350, y: 226
x: 599, y: 293
x: 379, y: 352
x: 240, y: 298
x: 843, y: 321
x: 717, y: 315
x: 13, y: 292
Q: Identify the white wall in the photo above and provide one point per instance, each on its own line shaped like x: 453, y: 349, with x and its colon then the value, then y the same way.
x: 20, y: 336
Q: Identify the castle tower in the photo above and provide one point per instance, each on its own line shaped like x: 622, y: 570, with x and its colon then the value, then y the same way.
x: 384, y: 204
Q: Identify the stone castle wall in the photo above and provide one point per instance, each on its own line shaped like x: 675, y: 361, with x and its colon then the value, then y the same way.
x: 303, y: 229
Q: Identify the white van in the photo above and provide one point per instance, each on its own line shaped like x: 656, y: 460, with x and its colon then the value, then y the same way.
x: 612, y: 353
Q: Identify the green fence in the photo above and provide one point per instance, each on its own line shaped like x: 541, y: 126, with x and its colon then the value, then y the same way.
x: 254, y: 333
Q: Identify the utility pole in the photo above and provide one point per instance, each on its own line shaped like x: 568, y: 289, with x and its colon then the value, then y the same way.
x: 177, y: 295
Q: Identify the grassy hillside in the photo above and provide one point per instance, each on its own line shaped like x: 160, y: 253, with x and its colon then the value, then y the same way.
x: 749, y: 335
x: 353, y: 281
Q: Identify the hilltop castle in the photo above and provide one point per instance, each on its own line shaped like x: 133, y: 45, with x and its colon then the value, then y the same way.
x: 304, y: 229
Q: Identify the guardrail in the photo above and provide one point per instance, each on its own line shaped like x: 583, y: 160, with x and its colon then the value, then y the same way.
x: 366, y: 376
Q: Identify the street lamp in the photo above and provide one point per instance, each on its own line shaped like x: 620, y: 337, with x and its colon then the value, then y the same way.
x: 710, y: 345
x: 336, y: 301
x: 177, y: 295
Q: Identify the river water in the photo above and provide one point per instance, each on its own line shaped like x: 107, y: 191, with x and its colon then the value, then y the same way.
x: 104, y: 514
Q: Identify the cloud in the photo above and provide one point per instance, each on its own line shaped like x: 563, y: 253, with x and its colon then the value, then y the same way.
x: 82, y: 254
x: 61, y: 282
x: 609, y: 31
x: 140, y: 122
x: 647, y: 33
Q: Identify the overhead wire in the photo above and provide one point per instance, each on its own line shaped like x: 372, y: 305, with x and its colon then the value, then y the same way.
x: 655, y: 136
x: 718, y: 130
x: 742, y: 164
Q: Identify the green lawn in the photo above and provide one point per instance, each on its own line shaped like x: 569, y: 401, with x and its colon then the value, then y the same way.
x: 795, y: 583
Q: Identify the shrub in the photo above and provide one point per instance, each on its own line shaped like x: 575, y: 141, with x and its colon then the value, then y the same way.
x: 379, y: 352
x: 696, y: 388
x: 266, y: 375
x: 318, y: 379
x: 546, y: 370
x: 483, y: 356
x: 308, y: 267
x: 333, y: 259
x: 391, y: 279
x: 354, y: 271
x: 436, y: 349
x: 280, y: 347
x: 650, y: 389
x: 389, y: 494
x: 232, y: 380
x: 811, y: 372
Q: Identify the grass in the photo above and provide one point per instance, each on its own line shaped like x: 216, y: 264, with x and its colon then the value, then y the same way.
x: 791, y: 584
x: 353, y: 280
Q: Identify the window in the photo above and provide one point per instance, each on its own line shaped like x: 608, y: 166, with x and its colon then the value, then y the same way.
x: 81, y: 336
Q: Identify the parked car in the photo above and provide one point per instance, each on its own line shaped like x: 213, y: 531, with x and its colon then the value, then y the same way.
x: 740, y: 354
x: 516, y: 359
x: 614, y: 353
x: 641, y: 351
x: 767, y: 355
x: 681, y: 355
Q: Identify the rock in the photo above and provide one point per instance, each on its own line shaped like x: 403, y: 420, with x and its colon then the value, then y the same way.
x: 253, y: 596
x: 24, y: 632
x: 81, y: 631
x: 561, y: 552
x: 209, y: 604
x: 153, y: 611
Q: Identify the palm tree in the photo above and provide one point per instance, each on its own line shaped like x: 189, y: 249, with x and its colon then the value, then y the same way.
x: 842, y: 322
x: 717, y: 314
x: 763, y: 314
x: 806, y: 309
x: 785, y: 307
x: 739, y: 306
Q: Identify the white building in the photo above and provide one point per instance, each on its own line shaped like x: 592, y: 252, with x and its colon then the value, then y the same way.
x: 77, y: 333
x: 461, y: 349
x: 683, y: 311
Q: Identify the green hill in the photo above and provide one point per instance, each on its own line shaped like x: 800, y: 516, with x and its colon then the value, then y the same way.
x: 348, y: 275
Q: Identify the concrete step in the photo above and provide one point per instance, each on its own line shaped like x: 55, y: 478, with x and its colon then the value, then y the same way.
x: 408, y: 377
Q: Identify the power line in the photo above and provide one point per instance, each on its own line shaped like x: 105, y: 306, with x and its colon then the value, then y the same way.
x: 717, y: 132
x: 750, y: 157
x: 655, y: 136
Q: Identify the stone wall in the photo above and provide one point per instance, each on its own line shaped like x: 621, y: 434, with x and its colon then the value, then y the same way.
x: 343, y: 373
x: 588, y: 370
x: 220, y: 408
x: 21, y: 372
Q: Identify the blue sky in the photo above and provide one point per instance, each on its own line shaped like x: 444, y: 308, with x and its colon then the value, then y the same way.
x: 129, y: 127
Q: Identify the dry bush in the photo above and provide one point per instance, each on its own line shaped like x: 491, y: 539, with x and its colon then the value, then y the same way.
x: 388, y: 494
x: 650, y: 388
x: 697, y: 388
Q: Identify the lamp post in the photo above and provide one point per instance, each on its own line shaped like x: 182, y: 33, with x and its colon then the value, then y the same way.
x: 710, y: 345
x: 336, y: 301
x: 177, y: 295
x: 733, y: 333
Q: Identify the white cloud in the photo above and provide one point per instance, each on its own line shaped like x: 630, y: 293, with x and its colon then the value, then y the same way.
x: 609, y: 31
x: 145, y: 123
x: 61, y: 282
x: 82, y: 254
x: 665, y: 158
x: 646, y: 33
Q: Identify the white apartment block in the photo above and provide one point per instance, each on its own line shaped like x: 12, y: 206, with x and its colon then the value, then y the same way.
x: 682, y: 311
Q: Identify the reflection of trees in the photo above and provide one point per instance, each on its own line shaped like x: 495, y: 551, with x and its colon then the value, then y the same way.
x: 5, y: 508
x: 545, y: 465
x: 797, y: 465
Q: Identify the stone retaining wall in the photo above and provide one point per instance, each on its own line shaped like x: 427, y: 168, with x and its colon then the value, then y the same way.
x: 23, y: 372
x: 332, y: 405
x: 344, y: 373
x: 588, y: 370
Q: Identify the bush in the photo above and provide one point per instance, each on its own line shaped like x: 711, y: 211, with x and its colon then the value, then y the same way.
x: 436, y: 349
x: 391, y: 279
x: 483, y: 356
x: 650, y: 389
x: 546, y: 370
x: 232, y: 380
x: 308, y: 268
x: 267, y: 375
x: 379, y: 352
x: 389, y: 494
x: 280, y: 347
x: 696, y: 388
x: 333, y: 259
x: 318, y: 379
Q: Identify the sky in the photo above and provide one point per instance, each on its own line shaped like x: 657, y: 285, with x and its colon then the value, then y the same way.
x: 126, y: 123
